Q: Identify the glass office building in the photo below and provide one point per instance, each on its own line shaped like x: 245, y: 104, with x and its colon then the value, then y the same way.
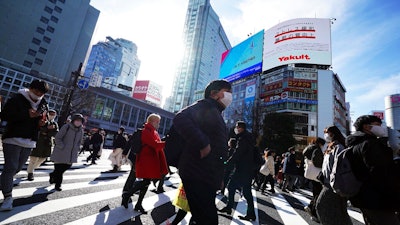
x: 204, y: 42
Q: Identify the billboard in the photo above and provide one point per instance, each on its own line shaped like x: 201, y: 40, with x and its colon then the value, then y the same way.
x: 147, y: 90
x: 244, y: 59
x: 306, y: 40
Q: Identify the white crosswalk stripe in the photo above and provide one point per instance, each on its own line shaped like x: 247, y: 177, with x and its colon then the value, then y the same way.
x: 92, y: 196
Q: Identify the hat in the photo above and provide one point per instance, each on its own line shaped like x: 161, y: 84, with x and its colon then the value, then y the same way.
x: 77, y: 116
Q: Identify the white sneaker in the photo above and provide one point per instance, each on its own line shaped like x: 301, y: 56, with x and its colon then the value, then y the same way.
x: 7, y: 204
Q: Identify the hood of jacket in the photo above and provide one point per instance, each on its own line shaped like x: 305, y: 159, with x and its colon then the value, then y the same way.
x: 357, y: 138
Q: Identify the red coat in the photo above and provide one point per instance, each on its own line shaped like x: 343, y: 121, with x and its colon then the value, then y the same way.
x: 151, y: 162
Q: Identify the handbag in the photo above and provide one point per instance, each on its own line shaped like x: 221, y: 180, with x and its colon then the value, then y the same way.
x: 310, y: 171
x: 264, y: 169
x: 181, y: 201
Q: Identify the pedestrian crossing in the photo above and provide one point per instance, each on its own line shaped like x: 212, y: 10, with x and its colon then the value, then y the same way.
x: 92, y: 195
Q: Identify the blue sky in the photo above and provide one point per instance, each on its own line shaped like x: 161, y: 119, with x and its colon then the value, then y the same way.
x: 365, y: 37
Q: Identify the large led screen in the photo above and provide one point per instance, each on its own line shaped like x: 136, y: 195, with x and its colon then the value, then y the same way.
x: 306, y: 40
x: 244, y: 59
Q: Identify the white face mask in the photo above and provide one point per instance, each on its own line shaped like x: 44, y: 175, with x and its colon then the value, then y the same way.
x: 379, y: 131
x: 236, y: 130
x: 77, y: 123
x: 52, y: 118
x: 227, y: 99
x: 34, y: 97
x: 327, y: 137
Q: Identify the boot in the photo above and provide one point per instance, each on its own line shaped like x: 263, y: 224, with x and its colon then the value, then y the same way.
x: 30, y: 177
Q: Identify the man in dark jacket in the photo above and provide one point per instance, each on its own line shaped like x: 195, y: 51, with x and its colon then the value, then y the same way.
x: 243, y: 161
x: 290, y: 170
x: 372, y: 163
x: 201, y: 166
x: 24, y: 113
x: 96, y: 141
x: 314, y: 153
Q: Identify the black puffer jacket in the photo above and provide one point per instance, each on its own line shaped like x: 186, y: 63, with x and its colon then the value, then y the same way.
x: 199, y: 125
x: 372, y: 163
x: 19, y: 123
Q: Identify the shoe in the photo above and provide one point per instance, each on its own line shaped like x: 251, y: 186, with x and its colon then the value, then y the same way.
x: 115, y: 169
x: 93, y: 163
x: 159, y: 191
x: 308, y: 210
x: 51, y: 180
x: 315, y: 219
x: 271, y: 190
x: 248, y: 218
x: 58, y: 188
x: 30, y: 177
x: 125, y: 200
x: 226, y: 210
x: 284, y: 190
x: 140, y: 209
x: 7, y: 204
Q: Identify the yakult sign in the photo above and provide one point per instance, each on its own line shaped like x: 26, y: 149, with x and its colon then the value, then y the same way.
x: 306, y: 40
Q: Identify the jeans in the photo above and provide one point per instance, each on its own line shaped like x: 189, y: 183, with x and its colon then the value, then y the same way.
x: 15, y: 158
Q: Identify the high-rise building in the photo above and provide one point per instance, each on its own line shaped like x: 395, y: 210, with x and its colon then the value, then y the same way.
x: 204, y: 42
x: 392, y: 115
x: 113, y: 64
x: 46, y: 38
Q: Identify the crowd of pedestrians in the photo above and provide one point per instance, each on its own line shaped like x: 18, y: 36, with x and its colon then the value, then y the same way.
x: 213, y: 160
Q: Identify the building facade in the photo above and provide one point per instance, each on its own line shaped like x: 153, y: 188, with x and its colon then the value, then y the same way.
x: 204, y: 42
x: 113, y: 64
x: 392, y: 119
x: 46, y: 38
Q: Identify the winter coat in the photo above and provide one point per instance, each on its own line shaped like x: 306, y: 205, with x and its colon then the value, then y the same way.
x: 268, y: 167
x: 372, y: 163
x: 201, y: 124
x: 150, y: 161
x: 19, y: 123
x: 68, y: 141
x: 119, y: 141
x: 289, y: 164
x: 242, y: 158
x: 329, y: 157
x: 45, y: 140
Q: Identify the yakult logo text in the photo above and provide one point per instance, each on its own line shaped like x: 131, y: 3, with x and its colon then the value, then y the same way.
x: 294, y: 57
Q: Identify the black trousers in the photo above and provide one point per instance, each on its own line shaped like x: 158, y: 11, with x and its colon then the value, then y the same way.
x: 316, y: 189
x: 267, y: 179
x: 59, y: 169
x: 246, y: 187
x: 141, y: 186
x: 201, y: 199
x: 130, y: 180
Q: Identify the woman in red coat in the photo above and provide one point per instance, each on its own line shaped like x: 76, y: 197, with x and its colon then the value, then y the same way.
x: 150, y: 162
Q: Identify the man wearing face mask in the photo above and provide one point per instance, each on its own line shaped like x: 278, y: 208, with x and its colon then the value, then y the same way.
x: 201, y: 166
x: 242, y: 160
x: 372, y: 162
x: 24, y: 113
x: 44, y: 143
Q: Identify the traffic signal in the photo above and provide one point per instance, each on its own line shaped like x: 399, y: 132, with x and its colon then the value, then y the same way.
x: 124, y: 87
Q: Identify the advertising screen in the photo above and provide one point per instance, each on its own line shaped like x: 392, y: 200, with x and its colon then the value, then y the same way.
x: 306, y: 40
x: 244, y: 59
x: 140, y: 90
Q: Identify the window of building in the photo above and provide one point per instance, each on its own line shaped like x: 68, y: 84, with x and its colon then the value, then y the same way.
x: 38, y: 61
x: 57, y: 9
x: 50, y: 29
x: 54, y: 19
x: 42, y: 50
x: 31, y: 52
x: 36, y: 41
x: 27, y: 63
x: 40, y: 30
x: 48, y: 9
x: 117, y: 112
x: 44, y: 19
x: 46, y: 39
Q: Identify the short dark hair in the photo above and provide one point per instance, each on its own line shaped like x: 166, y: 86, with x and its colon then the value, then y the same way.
x: 241, y: 124
x: 292, y: 149
x: 320, y: 141
x: 216, y: 85
x: 39, y: 85
x: 365, y: 119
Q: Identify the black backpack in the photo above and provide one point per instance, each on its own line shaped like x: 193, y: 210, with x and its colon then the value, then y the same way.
x: 174, y: 144
x: 135, y: 142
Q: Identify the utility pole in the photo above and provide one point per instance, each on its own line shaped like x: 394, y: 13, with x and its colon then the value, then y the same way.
x: 66, y: 108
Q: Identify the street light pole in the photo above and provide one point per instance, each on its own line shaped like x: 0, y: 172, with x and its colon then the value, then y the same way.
x: 66, y: 108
